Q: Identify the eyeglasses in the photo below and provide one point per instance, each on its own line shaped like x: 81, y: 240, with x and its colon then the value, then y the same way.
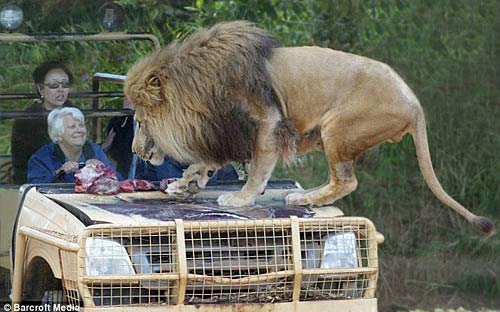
x: 56, y: 84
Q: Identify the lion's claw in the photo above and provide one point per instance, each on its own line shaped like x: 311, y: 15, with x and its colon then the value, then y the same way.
x: 177, y: 189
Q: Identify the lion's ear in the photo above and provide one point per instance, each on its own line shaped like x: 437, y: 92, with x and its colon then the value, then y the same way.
x: 152, y: 93
x: 153, y: 80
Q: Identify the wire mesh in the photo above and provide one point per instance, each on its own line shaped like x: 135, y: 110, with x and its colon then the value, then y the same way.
x: 228, y: 261
x: 239, y: 262
x: 345, y: 253
x: 131, y: 265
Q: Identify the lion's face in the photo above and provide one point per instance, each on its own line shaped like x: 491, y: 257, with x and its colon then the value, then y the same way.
x: 144, y: 143
x: 143, y: 87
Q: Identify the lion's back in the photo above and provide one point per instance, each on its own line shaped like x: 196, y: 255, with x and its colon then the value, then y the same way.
x: 318, y: 69
x: 313, y: 80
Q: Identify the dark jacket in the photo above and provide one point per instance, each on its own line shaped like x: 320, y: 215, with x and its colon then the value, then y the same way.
x: 120, y: 150
x: 43, y: 164
x: 28, y: 135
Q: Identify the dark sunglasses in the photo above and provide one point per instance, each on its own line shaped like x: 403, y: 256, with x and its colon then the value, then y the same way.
x: 56, y: 84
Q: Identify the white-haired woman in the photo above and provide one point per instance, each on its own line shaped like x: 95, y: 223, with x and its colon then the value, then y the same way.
x: 58, y: 161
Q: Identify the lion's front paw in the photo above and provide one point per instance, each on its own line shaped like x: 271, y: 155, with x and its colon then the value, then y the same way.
x: 296, y: 199
x: 235, y: 199
x: 177, y: 188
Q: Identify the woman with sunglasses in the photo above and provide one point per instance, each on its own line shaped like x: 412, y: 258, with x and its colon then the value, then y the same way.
x: 52, y: 81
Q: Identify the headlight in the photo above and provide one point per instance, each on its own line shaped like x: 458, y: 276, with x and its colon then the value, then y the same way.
x: 111, y: 16
x: 11, y: 17
x: 106, y: 257
x: 339, y: 251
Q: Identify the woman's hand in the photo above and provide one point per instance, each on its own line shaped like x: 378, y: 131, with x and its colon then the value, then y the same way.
x: 94, y: 162
x: 68, y: 167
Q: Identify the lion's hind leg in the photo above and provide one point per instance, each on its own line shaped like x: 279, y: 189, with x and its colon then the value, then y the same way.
x: 344, y: 137
x: 342, y: 178
x: 342, y: 182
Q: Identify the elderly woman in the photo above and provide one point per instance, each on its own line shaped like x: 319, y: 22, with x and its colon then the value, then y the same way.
x: 58, y: 161
x: 52, y: 81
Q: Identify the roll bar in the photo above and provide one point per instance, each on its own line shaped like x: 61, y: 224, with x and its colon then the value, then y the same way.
x: 18, y: 37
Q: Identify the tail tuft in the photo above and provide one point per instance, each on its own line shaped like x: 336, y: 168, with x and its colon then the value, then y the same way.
x: 483, y: 224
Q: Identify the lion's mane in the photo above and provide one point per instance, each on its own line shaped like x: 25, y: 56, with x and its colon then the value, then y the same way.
x: 197, y: 92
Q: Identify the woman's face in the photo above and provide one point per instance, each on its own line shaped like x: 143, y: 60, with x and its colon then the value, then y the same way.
x: 75, y: 133
x: 55, y: 88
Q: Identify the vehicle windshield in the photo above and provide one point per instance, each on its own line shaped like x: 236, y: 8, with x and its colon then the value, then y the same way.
x: 97, y: 69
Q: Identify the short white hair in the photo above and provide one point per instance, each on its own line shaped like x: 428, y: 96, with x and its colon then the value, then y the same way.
x: 55, y: 121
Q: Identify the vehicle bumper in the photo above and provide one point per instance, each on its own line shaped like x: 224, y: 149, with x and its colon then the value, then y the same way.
x: 354, y: 305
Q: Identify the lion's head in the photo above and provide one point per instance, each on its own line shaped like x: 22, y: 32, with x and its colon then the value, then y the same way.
x: 193, y: 98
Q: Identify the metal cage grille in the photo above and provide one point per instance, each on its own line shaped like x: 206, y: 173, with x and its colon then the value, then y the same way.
x: 339, y: 259
x: 238, y: 263
x: 228, y: 261
x: 131, y: 265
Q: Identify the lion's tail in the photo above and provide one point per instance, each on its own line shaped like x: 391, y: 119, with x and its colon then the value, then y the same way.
x: 424, y: 160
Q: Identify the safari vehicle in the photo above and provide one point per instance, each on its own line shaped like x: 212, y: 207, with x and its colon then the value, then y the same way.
x: 150, y: 251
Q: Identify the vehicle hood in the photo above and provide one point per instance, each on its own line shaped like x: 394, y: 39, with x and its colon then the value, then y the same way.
x: 156, y: 206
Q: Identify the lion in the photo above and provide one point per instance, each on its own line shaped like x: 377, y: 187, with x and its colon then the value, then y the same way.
x: 232, y: 93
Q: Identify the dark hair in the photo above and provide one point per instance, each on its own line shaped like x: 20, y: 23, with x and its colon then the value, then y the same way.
x: 42, y: 70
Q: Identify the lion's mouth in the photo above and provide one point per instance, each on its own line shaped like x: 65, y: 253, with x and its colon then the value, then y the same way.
x: 148, y: 156
x: 145, y: 151
x: 149, y: 148
x: 151, y: 153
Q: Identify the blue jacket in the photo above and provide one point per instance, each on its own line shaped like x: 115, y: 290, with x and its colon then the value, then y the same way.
x: 171, y: 168
x: 44, y: 163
